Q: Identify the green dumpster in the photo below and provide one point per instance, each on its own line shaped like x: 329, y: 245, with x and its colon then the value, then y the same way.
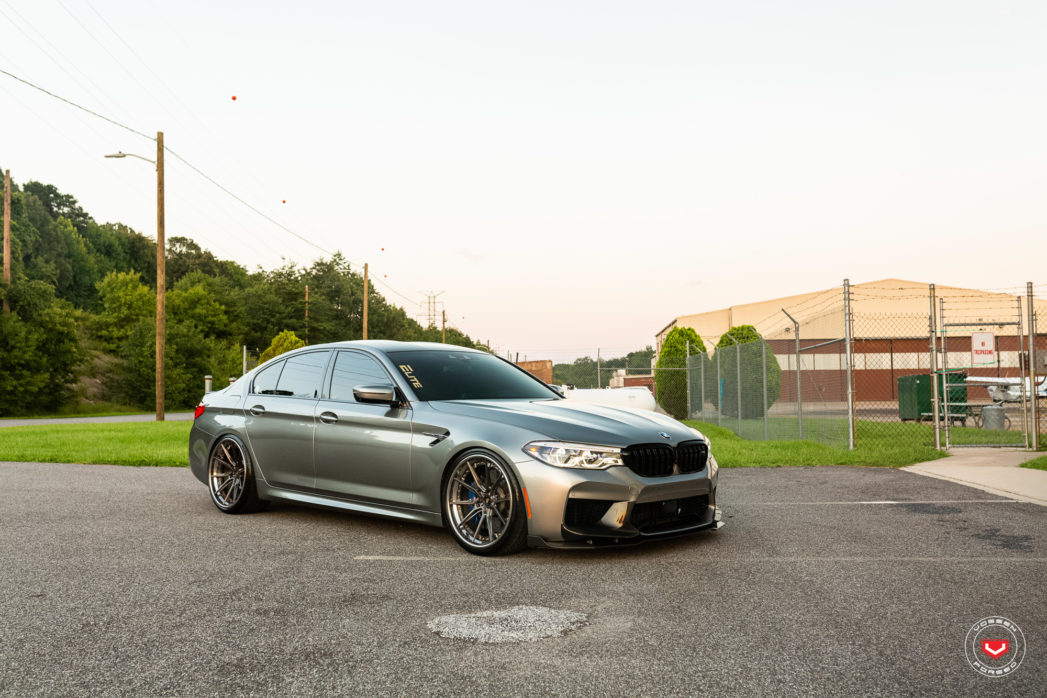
x: 914, y: 397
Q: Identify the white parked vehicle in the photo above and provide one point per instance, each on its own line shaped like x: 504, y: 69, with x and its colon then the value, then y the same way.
x: 638, y: 398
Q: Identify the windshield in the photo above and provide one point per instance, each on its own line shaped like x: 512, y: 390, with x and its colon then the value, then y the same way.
x: 466, y: 375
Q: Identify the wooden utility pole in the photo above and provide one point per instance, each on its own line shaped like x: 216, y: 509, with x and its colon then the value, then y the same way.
x: 7, y: 235
x: 161, y: 273
x: 307, y: 313
x: 443, y: 329
x: 365, y: 300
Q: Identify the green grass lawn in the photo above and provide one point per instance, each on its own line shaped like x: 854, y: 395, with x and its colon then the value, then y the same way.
x: 833, y: 430
x: 63, y: 415
x: 1036, y: 463
x: 167, y: 443
x: 901, y: 446
x: 128, y: 443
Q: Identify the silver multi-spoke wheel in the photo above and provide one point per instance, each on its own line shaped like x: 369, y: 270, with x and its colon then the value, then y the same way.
x: 479, y: 501
x: 227, y: 474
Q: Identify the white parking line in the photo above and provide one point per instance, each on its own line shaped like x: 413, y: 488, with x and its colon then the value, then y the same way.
x: 408, y: 558
x: 891, y: 501
x: 724, y: 560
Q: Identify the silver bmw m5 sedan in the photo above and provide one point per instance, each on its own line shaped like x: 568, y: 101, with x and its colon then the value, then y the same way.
x: 450, y: 437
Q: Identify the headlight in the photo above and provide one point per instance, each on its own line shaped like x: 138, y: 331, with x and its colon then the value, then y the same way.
x: 567, y: 455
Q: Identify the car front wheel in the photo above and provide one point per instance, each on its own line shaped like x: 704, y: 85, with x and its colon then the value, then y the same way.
x: 484, y: 505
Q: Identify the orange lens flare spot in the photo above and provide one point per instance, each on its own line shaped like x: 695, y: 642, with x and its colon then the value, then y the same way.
x: 527, y: 502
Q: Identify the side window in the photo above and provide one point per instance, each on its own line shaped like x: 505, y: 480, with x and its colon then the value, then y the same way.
x: 301, y: 375
x: 265, y: 380
x: 352, y: 369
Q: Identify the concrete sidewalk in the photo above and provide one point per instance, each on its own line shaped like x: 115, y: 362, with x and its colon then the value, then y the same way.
x: 992, y: 470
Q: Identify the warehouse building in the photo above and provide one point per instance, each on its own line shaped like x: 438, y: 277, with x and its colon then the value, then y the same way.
x: 890, y: 331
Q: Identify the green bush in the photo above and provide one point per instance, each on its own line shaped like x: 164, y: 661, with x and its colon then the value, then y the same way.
x: 748, y: 347
x: 283, y: 342
x: 670, y: 386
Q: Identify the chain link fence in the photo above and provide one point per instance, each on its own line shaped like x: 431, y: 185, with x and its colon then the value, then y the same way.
x: 869, y: 364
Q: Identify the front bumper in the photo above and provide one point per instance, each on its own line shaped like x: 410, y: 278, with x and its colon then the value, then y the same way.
x: 584, y: 509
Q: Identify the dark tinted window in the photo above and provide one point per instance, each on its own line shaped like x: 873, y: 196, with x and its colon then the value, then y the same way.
x: 352, y: 369
x: 265, y: 380
x: 460, y: 375
x: 301, y: 375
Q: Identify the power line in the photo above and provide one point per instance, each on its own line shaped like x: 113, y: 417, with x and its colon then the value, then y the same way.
x: 195, y: 169
x: 275, y: 222
x: 83, y: 80
x: 74, y: 104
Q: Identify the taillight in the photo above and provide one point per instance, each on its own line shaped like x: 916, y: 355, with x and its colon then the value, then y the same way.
x: 198, y: 411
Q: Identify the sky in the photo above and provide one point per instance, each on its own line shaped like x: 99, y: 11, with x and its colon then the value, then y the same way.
x: 569, y: 176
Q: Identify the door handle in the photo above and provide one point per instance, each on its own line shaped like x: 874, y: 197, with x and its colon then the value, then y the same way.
x: 328, y: 417
x: 258, y: 410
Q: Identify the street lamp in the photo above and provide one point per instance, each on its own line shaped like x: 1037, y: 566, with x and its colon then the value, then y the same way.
x: 160, y: 266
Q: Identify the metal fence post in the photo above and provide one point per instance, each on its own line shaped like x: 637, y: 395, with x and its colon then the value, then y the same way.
x: 702, y: 386
x: 1024, y: 371
x: 799, y: 393
x: 687, y: 371
x: 850, y: 361
x: 719, y: 391
x: 945, y: 375
x: 598, y: 381
x: 738, y: 346
x: 934, y: 376
x: 763, y: 359
x: 1035, y: 430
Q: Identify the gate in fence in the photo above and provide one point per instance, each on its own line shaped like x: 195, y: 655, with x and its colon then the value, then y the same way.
x: 982, y: 392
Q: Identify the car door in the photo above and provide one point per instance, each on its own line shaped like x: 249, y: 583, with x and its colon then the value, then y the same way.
x: 363, y: 451
x: 280, y: 418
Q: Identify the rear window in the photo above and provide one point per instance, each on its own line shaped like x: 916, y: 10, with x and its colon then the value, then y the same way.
x: 265, y: 380
x: 301, y: 375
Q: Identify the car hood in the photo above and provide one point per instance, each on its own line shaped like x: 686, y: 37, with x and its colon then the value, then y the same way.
x: 567, y: 420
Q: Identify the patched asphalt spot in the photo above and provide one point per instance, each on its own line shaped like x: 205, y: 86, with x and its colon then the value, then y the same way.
x: 1005, y: 541
x: 516, y: 624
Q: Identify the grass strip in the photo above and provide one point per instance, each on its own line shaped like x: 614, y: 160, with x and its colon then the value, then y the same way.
x: 1036, y: 463
x: 167, y: 443
x: 125, y: 443
x: 732, y: 451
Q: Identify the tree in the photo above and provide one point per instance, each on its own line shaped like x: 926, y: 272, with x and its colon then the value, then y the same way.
x: 124, y: 301
x: 744, y: 344
x: 283, y: 342
x: 40, y: 350
x: 670, y: 383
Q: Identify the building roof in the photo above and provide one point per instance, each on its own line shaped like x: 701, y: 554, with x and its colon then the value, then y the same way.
x: 885, y: 308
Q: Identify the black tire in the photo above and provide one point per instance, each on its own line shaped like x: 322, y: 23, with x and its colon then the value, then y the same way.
x: 478, y: 483
x: 230, y: 477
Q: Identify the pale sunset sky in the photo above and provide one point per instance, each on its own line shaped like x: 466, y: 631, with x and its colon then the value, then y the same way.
x: 571, y: 175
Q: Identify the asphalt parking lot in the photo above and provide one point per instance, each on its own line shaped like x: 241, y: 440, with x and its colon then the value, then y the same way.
x: 128, y: 581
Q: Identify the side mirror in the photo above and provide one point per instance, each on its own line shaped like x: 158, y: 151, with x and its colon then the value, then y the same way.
x: 556, y: 389
x: 375, y: 394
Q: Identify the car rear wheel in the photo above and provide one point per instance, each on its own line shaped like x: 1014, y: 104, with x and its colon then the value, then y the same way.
x: 230, y: 478
x: 484, y: 506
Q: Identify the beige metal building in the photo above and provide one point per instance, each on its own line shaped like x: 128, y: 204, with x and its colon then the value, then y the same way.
x: 890, y: 329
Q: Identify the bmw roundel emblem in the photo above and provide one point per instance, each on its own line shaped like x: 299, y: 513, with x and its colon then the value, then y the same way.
x: 663, y: 435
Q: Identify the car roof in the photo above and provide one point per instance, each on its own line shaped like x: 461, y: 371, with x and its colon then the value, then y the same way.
x: 385, y: 346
